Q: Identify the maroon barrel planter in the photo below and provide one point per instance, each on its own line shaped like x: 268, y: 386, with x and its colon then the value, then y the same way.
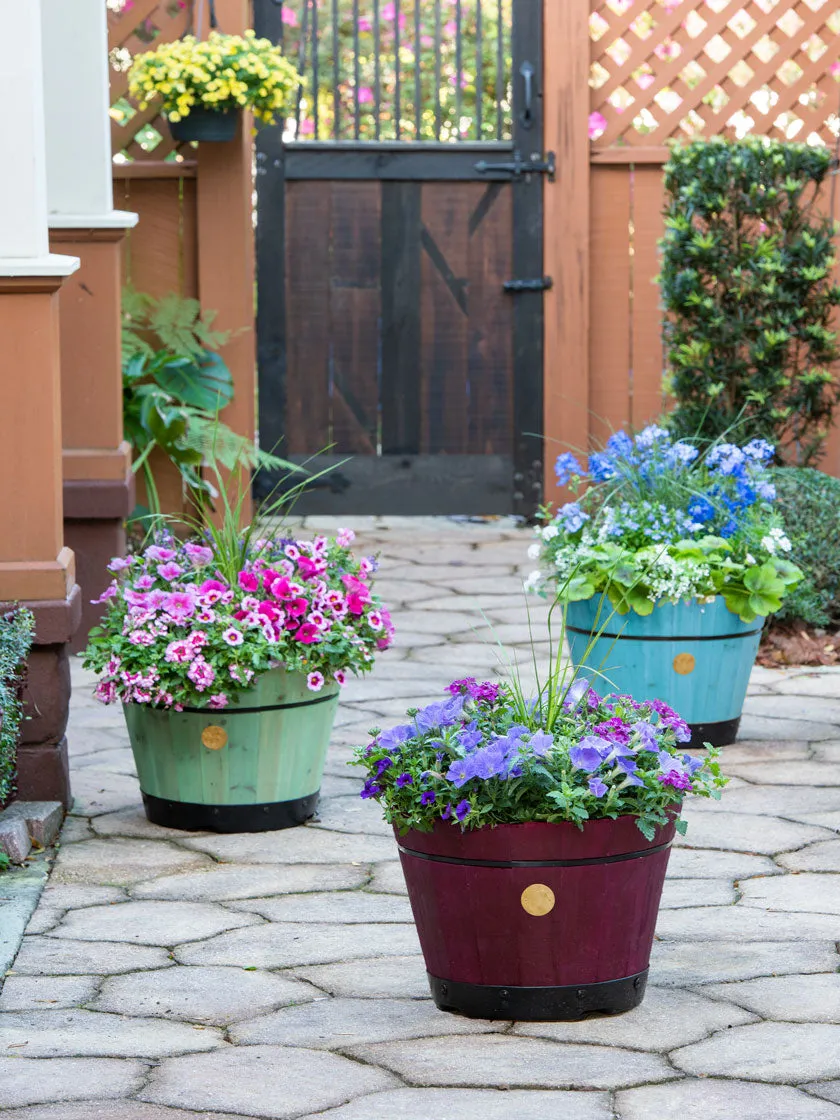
x: 536, y: 921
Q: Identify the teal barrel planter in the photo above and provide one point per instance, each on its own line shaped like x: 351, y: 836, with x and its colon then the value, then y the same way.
x: 253, y: 766
x: 694, y: 656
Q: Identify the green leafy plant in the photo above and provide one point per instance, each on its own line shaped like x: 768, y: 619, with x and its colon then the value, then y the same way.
x: 746, y: 282
x: 809, y: 502
x: 16, y: 631
x: 174, y: 385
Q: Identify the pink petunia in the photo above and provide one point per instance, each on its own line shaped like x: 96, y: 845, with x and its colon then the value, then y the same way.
x: 355, y: 603
x: 217, y: 700
x: 205, y: 615
x: 307, y: 634
x: 296, y: 607
x: 210, y: 592
x: 292, y: 551
x: 141, y: 696
x: 345, y: 537
x: 106, y: 692
x: 169, y: 571
x: 233, y: 637
x: 135, y: 598
x: 248, y: 581
x: 198, y: 553
x: 110, y: 592
x: 179, y: 605
x: 120, y: 563
x: 160, y: 555
x: 597, y: 125
x: 315, y: 682
x: 374, y: 620
x: 198, y: 639
x: 319, y: 620
x: 141, y: 638
x: 340, y: 677
x: 145, y: 582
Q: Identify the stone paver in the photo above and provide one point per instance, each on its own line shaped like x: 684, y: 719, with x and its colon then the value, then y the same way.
x: 270, y: 1081
x: 168, y: 975
x: 201, y: 995
x: 31, y: 1081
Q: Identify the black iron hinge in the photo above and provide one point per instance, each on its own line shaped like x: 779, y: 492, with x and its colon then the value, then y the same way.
x: 540, y: 284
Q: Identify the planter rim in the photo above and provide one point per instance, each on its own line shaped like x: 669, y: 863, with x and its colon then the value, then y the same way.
x: 246, y: 701
x: 538, y: 840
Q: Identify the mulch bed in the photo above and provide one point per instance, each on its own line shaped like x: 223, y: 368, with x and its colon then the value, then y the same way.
x: 793, y: 643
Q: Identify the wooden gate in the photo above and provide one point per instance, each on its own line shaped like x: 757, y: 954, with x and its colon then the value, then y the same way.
x: 399, y: 255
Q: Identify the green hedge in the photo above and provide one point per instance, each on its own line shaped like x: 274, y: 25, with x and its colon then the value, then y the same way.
x: 16, y: 629
x: 746, y: 282
x: 809, y: 502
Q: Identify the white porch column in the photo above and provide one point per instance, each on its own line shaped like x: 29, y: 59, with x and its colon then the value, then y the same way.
x: 24, y: 238
x: 75, y: 57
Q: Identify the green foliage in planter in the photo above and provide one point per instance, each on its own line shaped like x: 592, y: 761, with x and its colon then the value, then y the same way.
x: 16, y: 629
x: 746, y: 283
x: 809, y: 502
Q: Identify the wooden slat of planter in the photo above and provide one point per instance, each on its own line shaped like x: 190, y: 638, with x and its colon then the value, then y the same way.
x: 308, y: 222
x: 355, y: 314
x: 610, y: 279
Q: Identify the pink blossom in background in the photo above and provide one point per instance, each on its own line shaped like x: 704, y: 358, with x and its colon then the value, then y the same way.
x: 389, y: 11
x: 289, y: 17
x: 597, y: 124
x: 365, y: 95
x: 644, y: 80
x: 834, y: 69
x: 307, y: 127
x: 160, y: 555
x: 365, y: 24
x: 141, y: 696
x: 217, y: 700
x: 315, y: 682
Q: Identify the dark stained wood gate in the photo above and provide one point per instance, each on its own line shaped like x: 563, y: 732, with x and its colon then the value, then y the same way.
x: 386, y: 332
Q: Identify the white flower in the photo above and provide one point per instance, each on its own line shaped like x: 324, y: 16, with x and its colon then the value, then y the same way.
x: 749, y: 558
x: 550, y: 532
x: 768, y: 544
x: 534, y: 551
x: 775, y: 539
x: 533, y: 581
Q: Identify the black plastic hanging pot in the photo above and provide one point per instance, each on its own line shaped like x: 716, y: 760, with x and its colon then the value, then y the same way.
x: 204, y: 124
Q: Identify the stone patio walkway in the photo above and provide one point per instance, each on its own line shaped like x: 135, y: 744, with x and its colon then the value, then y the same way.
x: 167, y: 976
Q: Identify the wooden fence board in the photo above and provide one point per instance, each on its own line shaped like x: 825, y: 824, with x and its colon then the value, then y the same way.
x: 646, y: 392
x: 610, y: 287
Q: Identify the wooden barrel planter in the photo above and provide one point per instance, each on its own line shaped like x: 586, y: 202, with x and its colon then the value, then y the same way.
x: 218, y: 125
x: 253, y: 766
x: 695, y: 656
x: 536, y: 921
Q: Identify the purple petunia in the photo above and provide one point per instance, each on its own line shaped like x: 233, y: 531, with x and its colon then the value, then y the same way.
x: 428, y: 797
x: 597, y: 787
x: 589, y: 753
x: 462, y: 810
x: 404, y: 780
x: 541, y: 743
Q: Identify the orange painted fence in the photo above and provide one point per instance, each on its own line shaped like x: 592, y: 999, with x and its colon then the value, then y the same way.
x: 633, y: 76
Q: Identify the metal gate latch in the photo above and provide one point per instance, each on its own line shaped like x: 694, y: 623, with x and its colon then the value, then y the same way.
x: 519, y: 166
x: 541, y: 284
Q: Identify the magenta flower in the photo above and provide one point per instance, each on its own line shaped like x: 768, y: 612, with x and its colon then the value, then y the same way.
x: 179, y: 651
x: 315, y: 682
x: 201, y: 674
x: 106, y: 692
x: 210, y: 592
x: 365, y: 95
x: 205, y: 615
x: 160, y: 555
x: 676, y: 779
x: 345, y: 537
x: 179, y: 605
x: 198, y: 553
x: 307, y: 634
x: 233, y: 637
x: 198, y: 639
x: 340, y: 677
x: 169, y: 571
x: 145, y: 582
x: 141, y: 638
x: 119, y: 564
x: 249, y: 581
x: 110, y: 592
x: 597, y: 125
x: 374, y: 620
x: 217, y: 700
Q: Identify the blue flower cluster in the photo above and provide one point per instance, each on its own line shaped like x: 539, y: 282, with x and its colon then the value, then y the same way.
x: 659, y: 489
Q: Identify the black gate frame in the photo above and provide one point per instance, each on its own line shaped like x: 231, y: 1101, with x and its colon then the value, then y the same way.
x: 409, y: 162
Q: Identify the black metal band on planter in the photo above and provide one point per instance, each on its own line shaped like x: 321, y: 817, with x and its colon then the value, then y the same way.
x: 666, y: 637
x: 488, y: 1001
x: 263, y: 707
x: 265, y: 817
x: 535, y: 862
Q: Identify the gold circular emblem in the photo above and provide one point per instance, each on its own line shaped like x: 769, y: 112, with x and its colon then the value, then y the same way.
x: 684, y: 663
x: 214, y: 737
x: 538, y: 899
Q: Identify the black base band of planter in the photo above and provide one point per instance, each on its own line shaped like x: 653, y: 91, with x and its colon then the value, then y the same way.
x: 267, y: 817
x: 533, y: 1005
x: 719, y: 734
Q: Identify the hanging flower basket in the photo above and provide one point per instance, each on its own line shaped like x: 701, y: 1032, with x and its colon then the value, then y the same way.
x: 218, y: 125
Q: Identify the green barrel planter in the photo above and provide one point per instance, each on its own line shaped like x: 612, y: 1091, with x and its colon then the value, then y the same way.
x: 695, y: 656
x: 253, y: 766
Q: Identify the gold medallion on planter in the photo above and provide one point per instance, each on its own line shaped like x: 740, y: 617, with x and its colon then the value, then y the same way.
x: 214, y: 737
x: 538, y: 900
x: 684, y: 664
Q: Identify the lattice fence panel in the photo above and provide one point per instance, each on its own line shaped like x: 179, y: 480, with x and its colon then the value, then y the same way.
x: 681, y: 69
x: 135, y: 26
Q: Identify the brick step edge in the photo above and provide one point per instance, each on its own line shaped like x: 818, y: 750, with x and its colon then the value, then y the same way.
x: 24, y: 823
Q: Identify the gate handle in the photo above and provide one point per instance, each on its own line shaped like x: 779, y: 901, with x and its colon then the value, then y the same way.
x: 527, y: 71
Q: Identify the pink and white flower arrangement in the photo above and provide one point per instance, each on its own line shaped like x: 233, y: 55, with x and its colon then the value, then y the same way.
x: 179, y: 632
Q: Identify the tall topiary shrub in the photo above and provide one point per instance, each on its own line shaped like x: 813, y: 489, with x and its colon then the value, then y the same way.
x: 16, y: 629
x: 747, y: 285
